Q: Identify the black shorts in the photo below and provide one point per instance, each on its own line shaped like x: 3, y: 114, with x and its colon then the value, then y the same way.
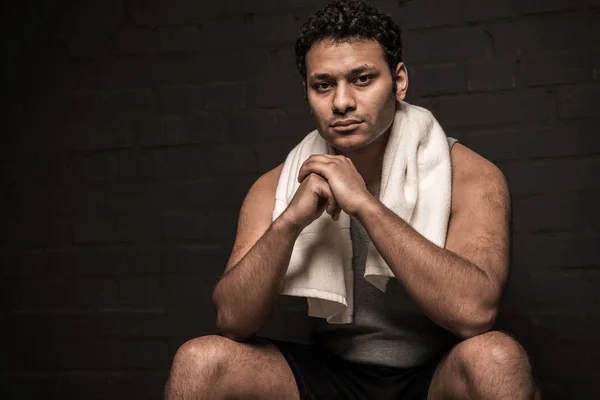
x: 320, y: 374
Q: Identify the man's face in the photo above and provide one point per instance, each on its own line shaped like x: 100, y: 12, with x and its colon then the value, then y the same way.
x: 349, y: 90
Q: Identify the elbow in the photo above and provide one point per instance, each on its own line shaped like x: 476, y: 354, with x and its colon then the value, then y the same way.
x: 478, y: 323
x: 232, y: 329
x: 229, y: 330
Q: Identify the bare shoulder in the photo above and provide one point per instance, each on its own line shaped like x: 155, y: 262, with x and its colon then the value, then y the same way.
x: 479, y: 226
x: 475, y: 177
x: 255, y: 214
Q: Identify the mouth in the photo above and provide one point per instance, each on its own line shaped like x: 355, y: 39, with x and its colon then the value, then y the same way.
x: 346, y: 125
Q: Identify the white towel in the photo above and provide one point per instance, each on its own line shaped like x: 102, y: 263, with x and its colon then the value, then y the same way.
x: 415, y: 184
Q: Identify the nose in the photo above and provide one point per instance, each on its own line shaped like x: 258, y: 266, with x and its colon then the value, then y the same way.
x: 343, y: 100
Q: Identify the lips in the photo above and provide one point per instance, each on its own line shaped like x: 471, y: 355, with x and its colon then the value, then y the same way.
x: 346, y: 122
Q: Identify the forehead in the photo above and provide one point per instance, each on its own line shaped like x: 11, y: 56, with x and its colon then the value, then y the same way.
x: 339, y: 57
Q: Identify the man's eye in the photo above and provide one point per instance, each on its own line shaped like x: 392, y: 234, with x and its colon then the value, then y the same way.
x: 322, y: 86
x: 364, y: 79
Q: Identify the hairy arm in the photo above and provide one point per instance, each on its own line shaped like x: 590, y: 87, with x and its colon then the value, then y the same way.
x: 459, y: 287
x: 248, y: 290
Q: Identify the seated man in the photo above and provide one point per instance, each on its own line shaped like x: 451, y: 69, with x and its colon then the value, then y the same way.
x: 349, y: 56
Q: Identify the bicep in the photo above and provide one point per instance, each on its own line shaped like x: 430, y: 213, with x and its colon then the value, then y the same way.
x: 479, y: 228
x: 255, y: 216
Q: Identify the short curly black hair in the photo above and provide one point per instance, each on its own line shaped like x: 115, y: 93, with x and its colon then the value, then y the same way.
x: 347, y: 20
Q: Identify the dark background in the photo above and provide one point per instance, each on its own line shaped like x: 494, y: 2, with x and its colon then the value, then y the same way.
x: 132, y: 130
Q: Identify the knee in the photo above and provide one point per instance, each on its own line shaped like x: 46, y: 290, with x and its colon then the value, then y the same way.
x: 491, y: 349
x: 205, y: 356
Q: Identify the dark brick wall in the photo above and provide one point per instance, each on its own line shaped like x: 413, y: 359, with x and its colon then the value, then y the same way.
x: 134, y: 128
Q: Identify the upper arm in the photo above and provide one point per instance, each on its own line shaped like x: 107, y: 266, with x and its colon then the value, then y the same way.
x: 255, y: 215
x: 479, y: 226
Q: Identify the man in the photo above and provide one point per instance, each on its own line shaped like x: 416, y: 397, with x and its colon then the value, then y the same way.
x: 349, y: 55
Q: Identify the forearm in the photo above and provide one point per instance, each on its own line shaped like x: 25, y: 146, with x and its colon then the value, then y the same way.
x: 453, y: 292
x: 246, y: 295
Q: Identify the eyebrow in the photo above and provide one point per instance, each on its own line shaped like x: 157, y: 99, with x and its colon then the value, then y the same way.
x: 354, y: 71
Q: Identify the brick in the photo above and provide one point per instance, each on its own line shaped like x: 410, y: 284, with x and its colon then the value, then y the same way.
x: 93, y: 167
x: 88, y: 229
x: 500, y: 108
x: 446, y: 45
x: 141, y: 293
x: 135, y: 325
x: 550, y: 328
x: 206, y: 262
x: 139, y: 41
x: 549, y: 212
x: 537, y: 6
x: 97, y: 133
x: 216, y: 66
x: 529, y: 35
x: 279, y: 91
x: 273, y: 152
x: 72, y: 263
x: 92, y: 385
x: 275, y: 27
x: 189, y: 129
x: 188, y: 292
x: 589, y: 202
x: 133, y: 101
x: 179, y: 38
x: 93, y: 15
x: 225, y: 194
x: 569, y: 138
x: 103, y: 198
x: 540, y: 331
x: 555, y: 250
x: 181, y: 99
x: 232, y: 32
x: 577, y: 101
x: 558, y: 68
x: 153, y: 13
x: 56, y: 324
x: 499, y: 74
x: 234, y: 7
x: 87, y: 354
x: 91, y: 45
x: 553, y: 176
x: 474, y: 10
x: 252, y: 126
x: 209, y: 227
x: 426, y: 14
x: 437, y: 79
x: 140, y: 229
x: 54, y: 294
x: 140, y: 72
x: 136, y: 41
x: 39, y: 229
x: 189, y: 323
x: 541, y: 290
x: 48, y: 168
x: 218, y: 161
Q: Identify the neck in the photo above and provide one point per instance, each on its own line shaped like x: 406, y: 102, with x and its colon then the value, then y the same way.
x: 369, y: 160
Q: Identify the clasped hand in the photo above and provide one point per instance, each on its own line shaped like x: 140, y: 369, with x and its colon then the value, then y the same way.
x: 347, y: 185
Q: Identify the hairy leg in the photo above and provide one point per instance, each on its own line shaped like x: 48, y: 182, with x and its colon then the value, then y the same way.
x: 215, y: 367
x: 488, y: 366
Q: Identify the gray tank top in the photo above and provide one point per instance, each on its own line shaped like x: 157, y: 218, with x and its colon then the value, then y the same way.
x: 388, y: 328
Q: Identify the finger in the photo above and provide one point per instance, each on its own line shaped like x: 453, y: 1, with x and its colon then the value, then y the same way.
x: 325, y: 191
x: 336, y: 214
x: 317, y: 166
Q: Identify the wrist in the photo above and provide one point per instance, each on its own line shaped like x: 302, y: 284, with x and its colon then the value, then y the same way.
x: 286, y: 226
x: 367, y: 207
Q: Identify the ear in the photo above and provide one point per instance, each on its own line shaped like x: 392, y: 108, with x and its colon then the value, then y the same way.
x: 401, y: 81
